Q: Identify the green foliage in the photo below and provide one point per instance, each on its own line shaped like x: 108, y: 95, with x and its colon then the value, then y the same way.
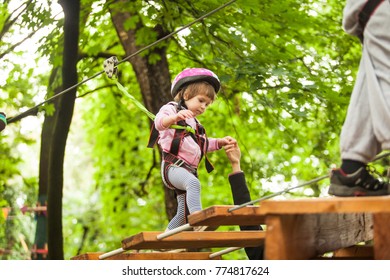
x: 287, y: 71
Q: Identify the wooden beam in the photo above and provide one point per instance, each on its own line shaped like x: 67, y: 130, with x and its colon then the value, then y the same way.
x: 379, y: 204
x: 194, y: 239
x: 382, y: 236
x: 306, y: 236
x: 220, y: 216
x: 150, y: 256
x: 362, y: 252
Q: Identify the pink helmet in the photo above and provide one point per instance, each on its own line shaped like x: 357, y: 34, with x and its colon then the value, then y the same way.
x: 191, y: 75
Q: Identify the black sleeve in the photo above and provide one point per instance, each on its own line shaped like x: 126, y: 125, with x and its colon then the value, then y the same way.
x: 239, y: 188
x: 241, y: 195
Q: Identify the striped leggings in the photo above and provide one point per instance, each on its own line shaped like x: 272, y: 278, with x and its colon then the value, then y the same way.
x: 184, y: 180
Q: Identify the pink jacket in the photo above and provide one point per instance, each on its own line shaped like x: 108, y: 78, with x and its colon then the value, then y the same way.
x: 189, y: 150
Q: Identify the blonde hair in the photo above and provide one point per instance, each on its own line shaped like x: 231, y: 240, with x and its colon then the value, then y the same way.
x: 195, y: 89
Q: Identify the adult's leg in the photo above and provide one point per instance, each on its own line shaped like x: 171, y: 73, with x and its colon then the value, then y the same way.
x: 366, y: 131
x: 376, y: 57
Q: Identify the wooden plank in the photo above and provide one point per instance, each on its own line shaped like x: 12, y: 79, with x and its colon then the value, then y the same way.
x: 362, y: 252
x: 150, y: 256
x: 371, y: 204
x: 194, y: 239
x: 219, y: 215
x: 382, y: 236
x: 295, y: 237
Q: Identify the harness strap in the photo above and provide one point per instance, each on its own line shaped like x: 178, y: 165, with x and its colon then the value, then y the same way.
x: 174, y: 160
x: 154, y: 135
x: 178, y: 138
x: 366, y: 12
x: 169, y: 160
x: 204, y: 144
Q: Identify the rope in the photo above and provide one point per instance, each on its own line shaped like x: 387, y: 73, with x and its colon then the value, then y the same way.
x: 13, y: 119
x: 378, y: 157
x: 277, y: 193
x: 178, y: 30
x: 148, y: 113
x: 135, y: 101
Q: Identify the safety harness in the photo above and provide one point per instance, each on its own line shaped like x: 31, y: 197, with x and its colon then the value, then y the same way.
x: 171, y: 158
x: 365, y: 14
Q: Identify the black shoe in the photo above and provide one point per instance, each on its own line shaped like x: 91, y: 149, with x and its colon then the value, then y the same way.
x: 360, y: 183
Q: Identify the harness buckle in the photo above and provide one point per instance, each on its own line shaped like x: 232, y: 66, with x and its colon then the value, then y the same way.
x: 177, y: 162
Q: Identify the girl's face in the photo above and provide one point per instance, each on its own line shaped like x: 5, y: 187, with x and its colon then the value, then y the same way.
x: 198, y: 104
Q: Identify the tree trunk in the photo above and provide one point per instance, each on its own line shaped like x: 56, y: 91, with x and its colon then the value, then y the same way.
x: 40, y: 241
x: 154, y: 79
x: 62, y: 118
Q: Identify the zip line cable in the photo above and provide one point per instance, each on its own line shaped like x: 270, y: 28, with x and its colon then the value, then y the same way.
x: 277, y: 193
x: 177, y: 31
x: 13, y: 119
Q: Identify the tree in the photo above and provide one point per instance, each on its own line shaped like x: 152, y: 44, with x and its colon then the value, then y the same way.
x: 151, y: 69
x: 55, y: 131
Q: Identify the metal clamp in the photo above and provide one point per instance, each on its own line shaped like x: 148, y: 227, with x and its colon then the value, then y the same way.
x: 110, y: 66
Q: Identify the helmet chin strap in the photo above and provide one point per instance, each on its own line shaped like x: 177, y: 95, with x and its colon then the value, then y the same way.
x: 181, y: 104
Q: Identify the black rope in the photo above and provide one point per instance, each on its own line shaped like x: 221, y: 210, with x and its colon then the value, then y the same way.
x: 13, y: 119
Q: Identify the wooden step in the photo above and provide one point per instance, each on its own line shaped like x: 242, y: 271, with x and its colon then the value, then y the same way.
x: 194, y: 239
x: 220, y: 216
x: 150, y: 256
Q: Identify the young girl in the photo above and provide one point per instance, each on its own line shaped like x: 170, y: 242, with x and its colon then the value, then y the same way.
x: 193, y: 90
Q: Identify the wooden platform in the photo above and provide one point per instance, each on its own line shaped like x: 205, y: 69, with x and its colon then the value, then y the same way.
x: 371, y: 204
x: 151, y: 256
x: 295, y: 229
x: 311, y: 227
x: 193, y: 239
